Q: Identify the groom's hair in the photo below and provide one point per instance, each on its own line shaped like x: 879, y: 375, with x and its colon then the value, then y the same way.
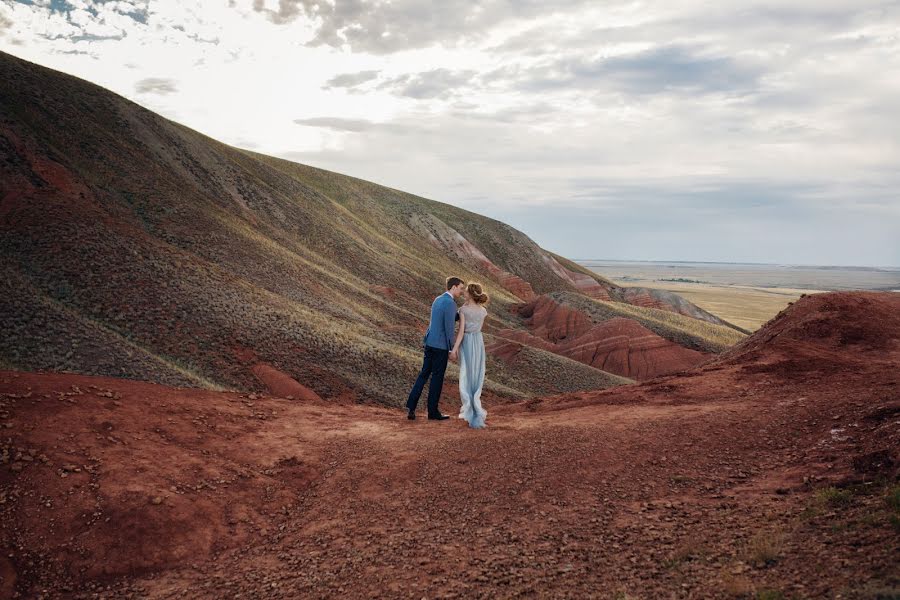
x: 453, y: 282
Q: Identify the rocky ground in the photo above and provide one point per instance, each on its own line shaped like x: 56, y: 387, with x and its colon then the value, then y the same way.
x: 765, y: 474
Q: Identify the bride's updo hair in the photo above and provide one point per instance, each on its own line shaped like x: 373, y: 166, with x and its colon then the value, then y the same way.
x: 477, y: 293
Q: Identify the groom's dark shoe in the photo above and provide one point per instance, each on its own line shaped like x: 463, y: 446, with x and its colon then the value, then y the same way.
x: 411, y: 415
x: 437, y: 417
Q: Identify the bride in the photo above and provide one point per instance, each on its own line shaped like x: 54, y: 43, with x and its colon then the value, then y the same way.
x: 469, y: 347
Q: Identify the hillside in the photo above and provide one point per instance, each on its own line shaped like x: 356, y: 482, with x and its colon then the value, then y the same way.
x: 636, y: 342
x: 135, y: 247
x: 772, y: 472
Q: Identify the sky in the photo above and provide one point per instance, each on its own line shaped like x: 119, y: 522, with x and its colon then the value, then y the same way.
x: 753, y: 131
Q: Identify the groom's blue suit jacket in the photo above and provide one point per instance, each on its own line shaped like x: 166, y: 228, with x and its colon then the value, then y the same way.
x: 440, y: 332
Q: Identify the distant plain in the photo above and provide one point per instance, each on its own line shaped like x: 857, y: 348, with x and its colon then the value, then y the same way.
x: 747, y: 295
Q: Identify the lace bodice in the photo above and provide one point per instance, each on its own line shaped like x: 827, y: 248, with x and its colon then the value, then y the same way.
x: 474, y: 315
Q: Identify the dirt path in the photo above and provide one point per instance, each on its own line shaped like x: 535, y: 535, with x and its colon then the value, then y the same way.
x: 683, y: 487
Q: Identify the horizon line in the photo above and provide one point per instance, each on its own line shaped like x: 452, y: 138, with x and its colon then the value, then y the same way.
x: 727, y: 262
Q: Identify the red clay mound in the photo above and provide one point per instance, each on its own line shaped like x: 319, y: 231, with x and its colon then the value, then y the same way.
x: 283, y: 385
x: 822, y: 331
x: 505, y: 350
x: 625, y: 347
x: 553, y: 321
x: 642, y: 297
x: 619, y: 346
x: 515, y: 284
x: 523, y: 337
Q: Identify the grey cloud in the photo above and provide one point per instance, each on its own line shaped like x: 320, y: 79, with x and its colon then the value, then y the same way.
x: 671, y: 68
x: 438, y: 83
x: 385, y: 26
x: 5, y: 23
x: 336, y: 123
x: 156, y: 85
x: 351, y: 80
x: 515, y: 114
x: 680, y: 69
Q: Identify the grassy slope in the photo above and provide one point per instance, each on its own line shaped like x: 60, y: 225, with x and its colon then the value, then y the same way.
x: 179, y: 259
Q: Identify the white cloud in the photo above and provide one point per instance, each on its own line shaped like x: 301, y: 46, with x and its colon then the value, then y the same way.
x: 501, y: 105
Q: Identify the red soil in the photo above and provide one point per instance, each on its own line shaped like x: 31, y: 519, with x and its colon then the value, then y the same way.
x: 619, y: 346
x: 639, y: 297
x: 515, y: 284
x: 283, y: 385
x: 505, y: 350
x: 507, y: 344
x: 388, y: 292
x: 112, y: 488
x: 625, y: 347
x: 523, y: 337
x: 585, y: 284
x: 822, y: 328
x: 553, y: 321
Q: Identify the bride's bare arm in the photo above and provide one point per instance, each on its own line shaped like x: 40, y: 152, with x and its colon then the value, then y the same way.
x: 459, y: 335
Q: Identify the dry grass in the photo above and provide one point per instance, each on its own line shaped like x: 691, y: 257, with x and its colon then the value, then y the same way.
x: 686, y: 551
x: 736, y: 586
x: 764, y: 548
x: 746, y: 307
x: 834, y: 497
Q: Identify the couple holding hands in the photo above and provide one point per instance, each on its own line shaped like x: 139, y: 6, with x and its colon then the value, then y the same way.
x: 443, y: 343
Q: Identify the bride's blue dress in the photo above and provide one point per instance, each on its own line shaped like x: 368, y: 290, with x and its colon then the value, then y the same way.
x: 471, y: 366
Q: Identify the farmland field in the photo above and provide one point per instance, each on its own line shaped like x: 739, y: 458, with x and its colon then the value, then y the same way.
x: 747, y: 295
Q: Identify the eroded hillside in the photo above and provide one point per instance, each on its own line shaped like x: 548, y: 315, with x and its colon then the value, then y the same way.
x: 135, y: 247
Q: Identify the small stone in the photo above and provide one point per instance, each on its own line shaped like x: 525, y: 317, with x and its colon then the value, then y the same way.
x: 157, y: 500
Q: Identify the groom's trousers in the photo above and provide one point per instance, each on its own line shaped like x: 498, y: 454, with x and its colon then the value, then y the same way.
x: 434, y: 364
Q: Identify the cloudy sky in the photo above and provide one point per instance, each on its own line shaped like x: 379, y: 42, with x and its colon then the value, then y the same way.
x: 759, y: 131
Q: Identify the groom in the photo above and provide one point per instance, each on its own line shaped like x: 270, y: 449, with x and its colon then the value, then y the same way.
x: 438, y: 342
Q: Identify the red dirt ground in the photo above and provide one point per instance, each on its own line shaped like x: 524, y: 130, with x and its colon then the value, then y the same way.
x: 767, y: 469
x: 283, y: 385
